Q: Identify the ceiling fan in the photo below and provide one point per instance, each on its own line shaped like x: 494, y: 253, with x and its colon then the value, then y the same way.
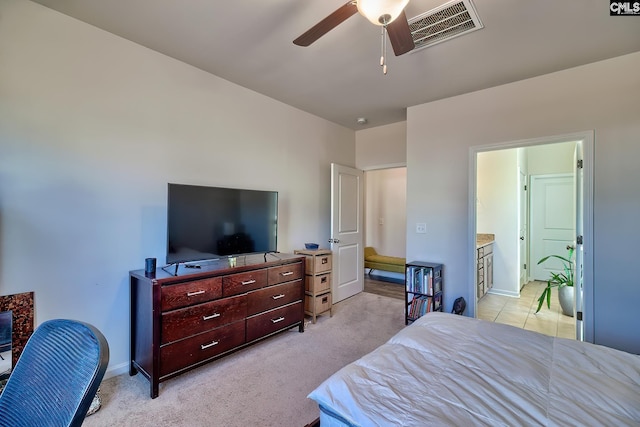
x: 389, y: 14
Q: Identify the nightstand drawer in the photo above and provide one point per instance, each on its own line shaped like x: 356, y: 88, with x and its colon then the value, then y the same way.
x: 318, y: 264
x: 185, y: 322
x: 317, y: 284
x: 318, y: 304
x: 189, y: 293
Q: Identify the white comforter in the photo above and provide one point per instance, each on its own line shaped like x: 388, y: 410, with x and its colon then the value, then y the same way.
x: 453, y: 370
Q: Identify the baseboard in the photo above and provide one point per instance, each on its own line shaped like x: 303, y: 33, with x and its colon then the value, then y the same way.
x: 504, y: 293
x: 119, y: 369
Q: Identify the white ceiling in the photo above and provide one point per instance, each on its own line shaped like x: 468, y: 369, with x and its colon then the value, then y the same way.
x: 249, y: 42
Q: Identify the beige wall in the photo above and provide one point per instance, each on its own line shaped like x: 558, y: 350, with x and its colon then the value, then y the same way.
x: 600, y: 97
x: 93, y: 127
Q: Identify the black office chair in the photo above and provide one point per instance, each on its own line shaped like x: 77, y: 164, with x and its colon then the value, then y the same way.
x: 56, y: 377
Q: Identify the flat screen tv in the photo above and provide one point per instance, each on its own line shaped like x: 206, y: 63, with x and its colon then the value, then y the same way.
x: 212, y: 222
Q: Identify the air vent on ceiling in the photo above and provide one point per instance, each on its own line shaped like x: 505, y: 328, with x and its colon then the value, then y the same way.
x: 445, y: 22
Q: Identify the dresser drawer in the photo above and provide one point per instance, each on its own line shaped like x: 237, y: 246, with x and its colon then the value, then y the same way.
x: 285, y: 273
x: 263, y: 324
x: 193, y: 320
x: 182, y: 354
x: 273, y: 296
x: 239, y: 283
x: 189, y: 293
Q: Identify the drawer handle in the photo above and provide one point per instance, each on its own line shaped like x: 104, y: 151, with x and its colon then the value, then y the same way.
x: 206, y: 346
x: 213, y: 316
x: 288, y: 273
x: 193, y: 294
x: 278, y: 296
x: 279, y: 319
x: 323, y: 280
x: 325, y: 260
x: 248, y: 282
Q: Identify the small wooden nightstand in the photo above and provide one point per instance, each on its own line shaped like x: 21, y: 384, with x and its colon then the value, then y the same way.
x: 317, y: 282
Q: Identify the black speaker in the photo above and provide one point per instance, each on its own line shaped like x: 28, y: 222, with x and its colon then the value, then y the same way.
x: 149, y: 265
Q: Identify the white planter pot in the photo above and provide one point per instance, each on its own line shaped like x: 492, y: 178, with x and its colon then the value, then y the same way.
x: 566, y: 298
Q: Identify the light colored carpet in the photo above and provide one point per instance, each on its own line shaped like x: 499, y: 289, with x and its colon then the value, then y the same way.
x: 265, y: 384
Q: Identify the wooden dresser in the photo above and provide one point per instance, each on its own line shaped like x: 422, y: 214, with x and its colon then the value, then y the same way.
x: 179, y: 322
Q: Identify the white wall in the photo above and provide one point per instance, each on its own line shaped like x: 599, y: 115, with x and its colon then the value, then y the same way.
x: 385, y: 210
x: 602, y: 97
x: 551, y: 158
x: 497, y: 213
x: 93, y: 127
x: 382, y: 146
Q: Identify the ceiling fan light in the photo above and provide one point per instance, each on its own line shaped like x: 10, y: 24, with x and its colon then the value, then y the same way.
x: 375, y: 10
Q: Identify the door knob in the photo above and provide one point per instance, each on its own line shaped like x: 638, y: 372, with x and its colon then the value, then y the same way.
x: 521, y: 237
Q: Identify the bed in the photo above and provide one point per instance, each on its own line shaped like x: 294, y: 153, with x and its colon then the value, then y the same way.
x: 453, y: 370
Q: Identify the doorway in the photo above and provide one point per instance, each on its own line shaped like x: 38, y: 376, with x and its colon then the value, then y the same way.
x: 500, y: 206
x: 385, y: 216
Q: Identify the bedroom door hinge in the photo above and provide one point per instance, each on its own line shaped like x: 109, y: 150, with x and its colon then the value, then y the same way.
x: 579, y: 240
x: 525, y: 266
x: 579, y: 164
x: 578, y: 315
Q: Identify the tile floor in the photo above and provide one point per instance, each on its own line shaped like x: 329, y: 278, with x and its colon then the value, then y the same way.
x: 520, y: 312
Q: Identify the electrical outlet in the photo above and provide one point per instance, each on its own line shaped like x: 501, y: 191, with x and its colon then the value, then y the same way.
x: 421, y: 228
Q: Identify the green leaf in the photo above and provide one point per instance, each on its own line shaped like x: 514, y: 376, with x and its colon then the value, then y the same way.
x: 548, y: 297
x: 540, y: 302
x: 557, y: 279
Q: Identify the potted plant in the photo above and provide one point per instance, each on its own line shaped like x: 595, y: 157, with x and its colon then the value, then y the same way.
x: 563, y: 281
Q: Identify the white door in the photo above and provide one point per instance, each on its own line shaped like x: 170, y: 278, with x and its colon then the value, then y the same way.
x: 579, y: 252
x: 347, y: 237
x: 522, y: 226
x: 552, y: 221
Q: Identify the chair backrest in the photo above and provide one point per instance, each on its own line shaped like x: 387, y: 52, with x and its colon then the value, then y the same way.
x: 369, y: 251
x: 56, y: 377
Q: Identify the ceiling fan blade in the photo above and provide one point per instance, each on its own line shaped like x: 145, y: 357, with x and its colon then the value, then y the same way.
x: 327, y: 24
x: 400, y: 35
